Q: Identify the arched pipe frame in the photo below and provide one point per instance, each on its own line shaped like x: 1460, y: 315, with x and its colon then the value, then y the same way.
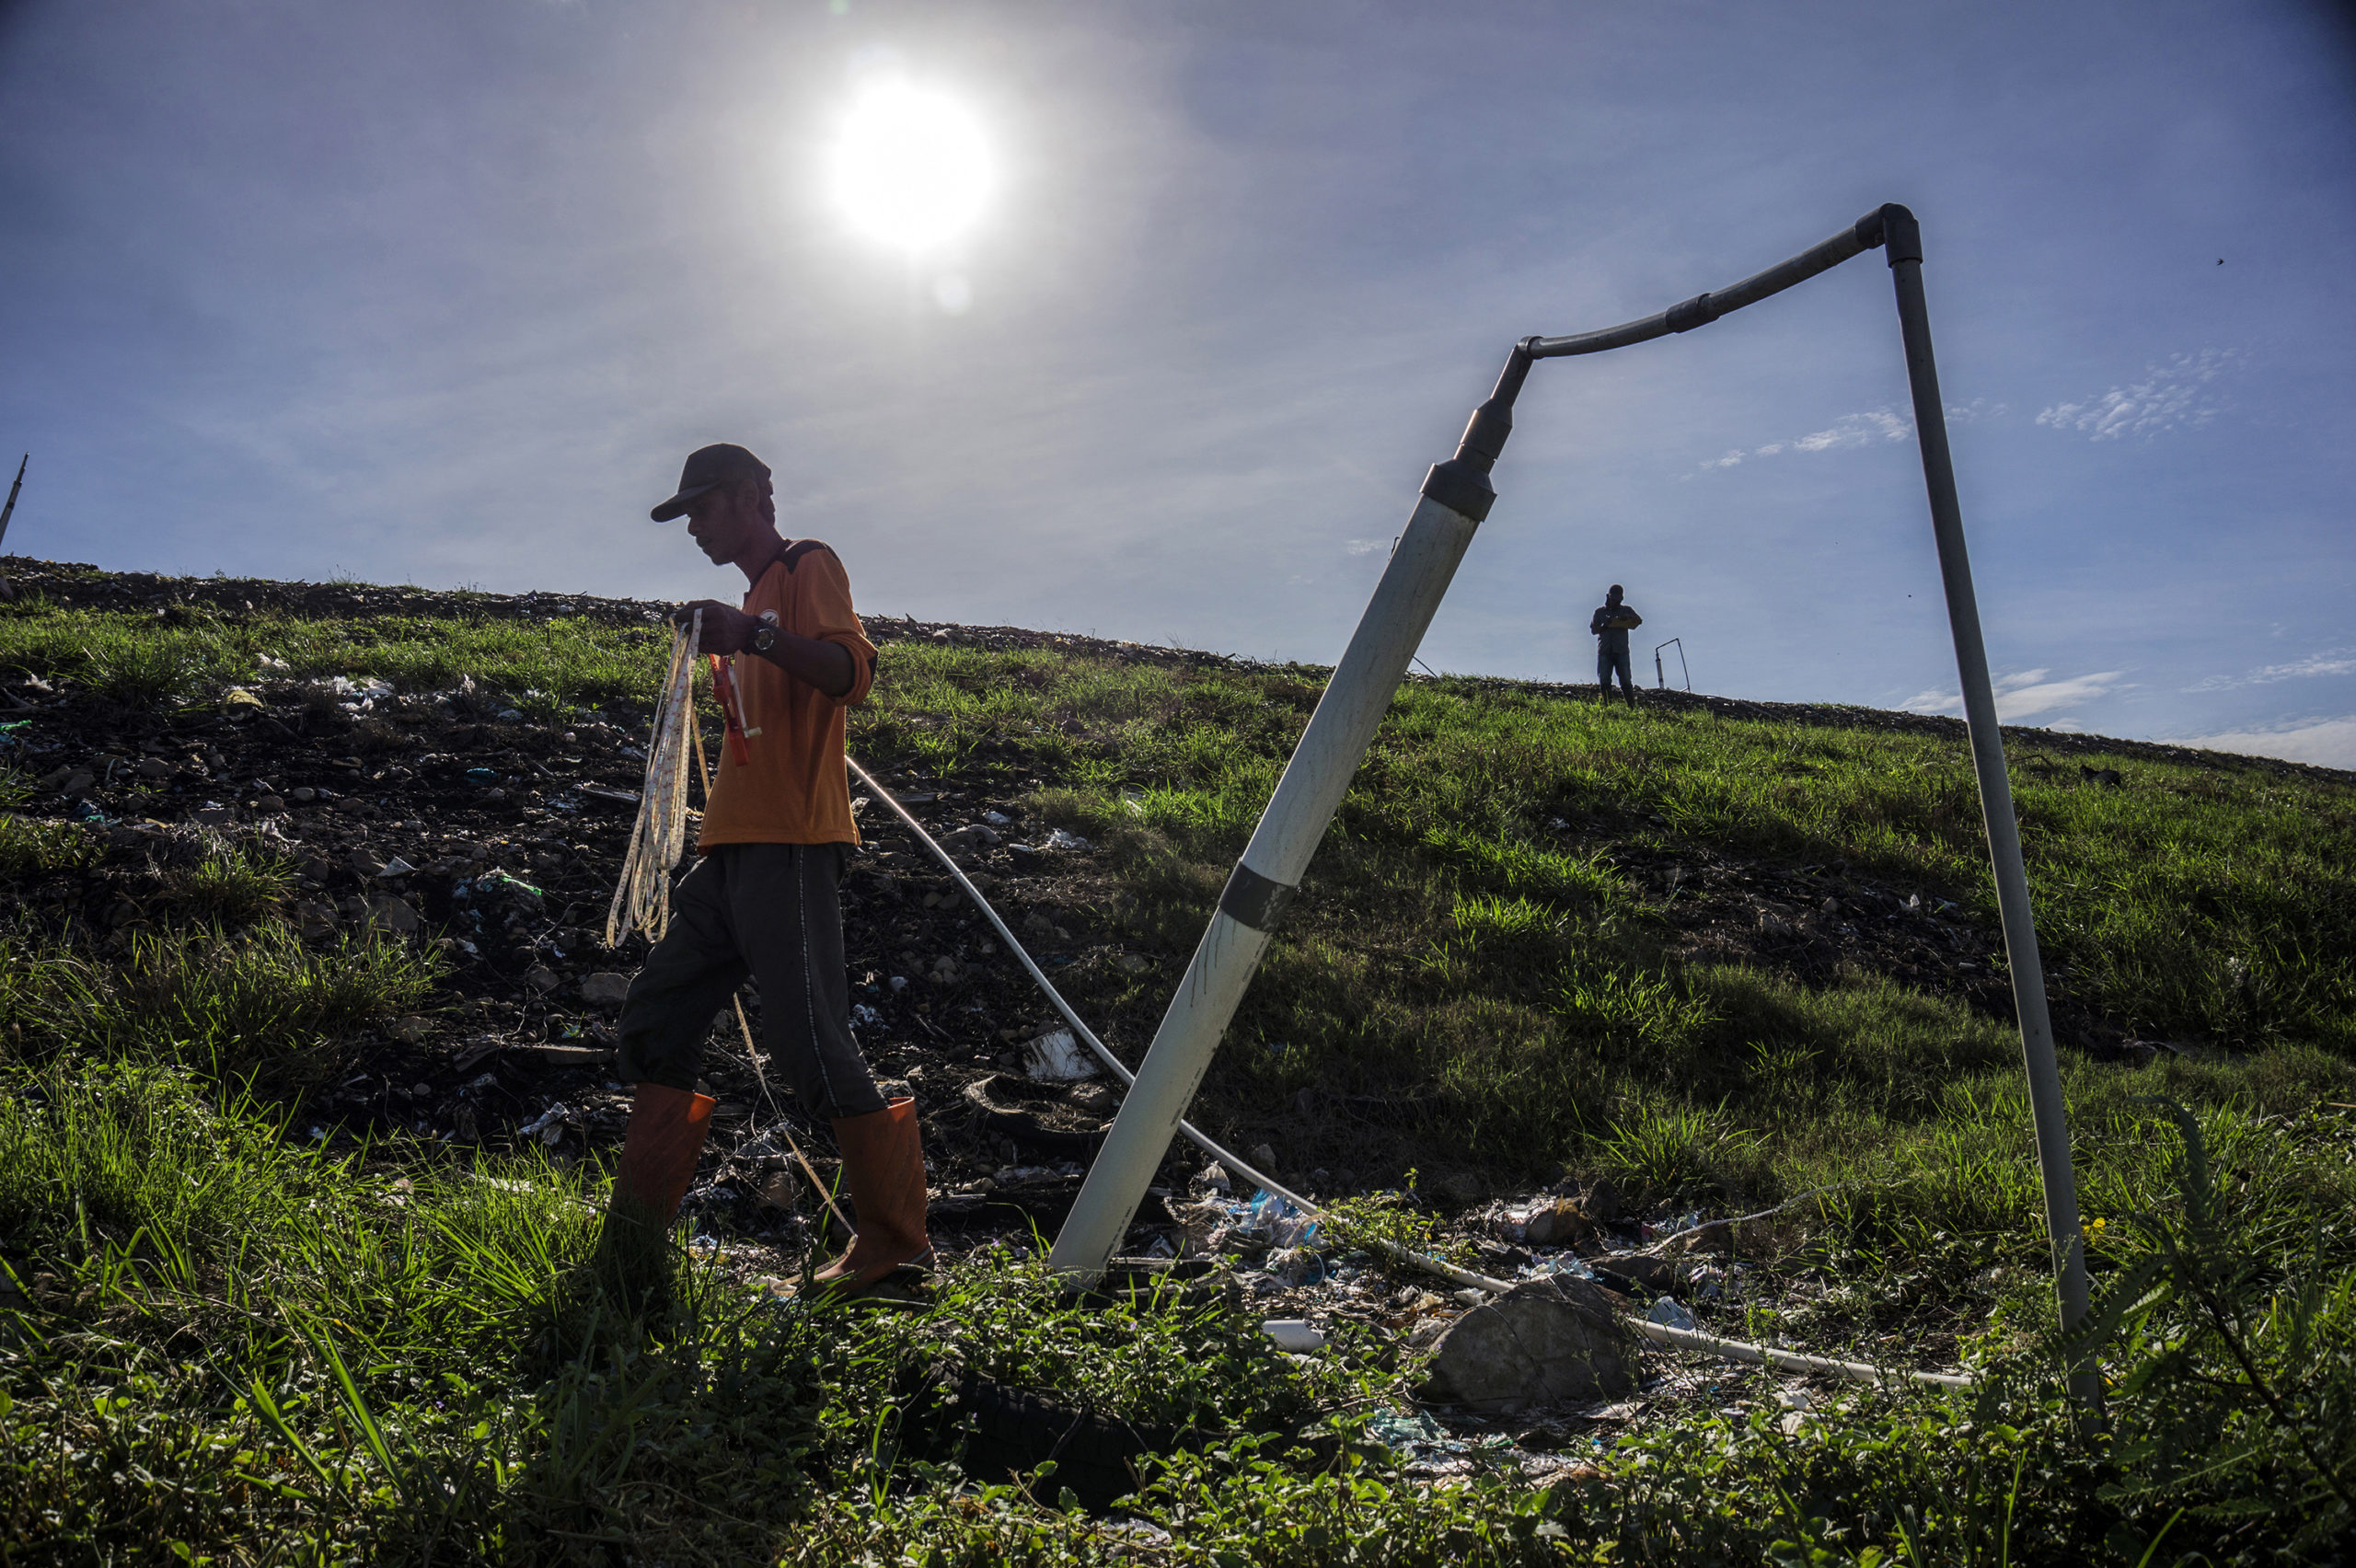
x: 1455, y: 500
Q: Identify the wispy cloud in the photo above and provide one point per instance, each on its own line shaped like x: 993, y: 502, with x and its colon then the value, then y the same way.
x: 2170, y: 396
x: 2327, y: 742
x: 2025, y: 695
x: 1364, y: 547
x: 2330, y: 662
x: 1867, y: 428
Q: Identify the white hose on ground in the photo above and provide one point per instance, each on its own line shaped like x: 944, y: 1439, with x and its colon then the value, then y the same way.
x: 1660, y: 1333
x: 642, y: 895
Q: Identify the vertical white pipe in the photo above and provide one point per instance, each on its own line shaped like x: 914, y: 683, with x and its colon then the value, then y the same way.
x: 1312, y: 786
x: 2048, y: 1110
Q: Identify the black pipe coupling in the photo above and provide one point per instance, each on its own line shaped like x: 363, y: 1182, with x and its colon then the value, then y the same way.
x: 1695, y: 312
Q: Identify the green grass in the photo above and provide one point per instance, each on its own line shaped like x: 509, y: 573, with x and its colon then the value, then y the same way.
x: 268, y: 1355
x: 263, y: 1354
x: 257, y: 1007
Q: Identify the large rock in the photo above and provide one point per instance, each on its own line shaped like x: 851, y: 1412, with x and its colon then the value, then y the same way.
x: 1546, y: 1341
x: 605, y: 989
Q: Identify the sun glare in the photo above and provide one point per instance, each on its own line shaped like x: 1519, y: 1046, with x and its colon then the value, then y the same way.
x: 911, y: 168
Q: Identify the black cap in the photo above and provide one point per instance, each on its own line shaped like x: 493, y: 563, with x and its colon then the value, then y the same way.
x: 709, y: 468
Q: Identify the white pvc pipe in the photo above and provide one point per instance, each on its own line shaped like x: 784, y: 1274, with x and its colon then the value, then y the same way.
x: 2049, y: 1111
x: 1312, y: 786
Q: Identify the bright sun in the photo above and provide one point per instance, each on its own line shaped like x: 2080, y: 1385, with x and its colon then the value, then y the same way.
x: 912, y: 166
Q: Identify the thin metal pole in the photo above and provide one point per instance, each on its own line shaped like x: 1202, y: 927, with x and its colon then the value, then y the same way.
x: 1263, y: 884
x: 1903, y: 237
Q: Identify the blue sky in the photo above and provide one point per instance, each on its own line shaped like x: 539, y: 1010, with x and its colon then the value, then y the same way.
x: 443, y: 293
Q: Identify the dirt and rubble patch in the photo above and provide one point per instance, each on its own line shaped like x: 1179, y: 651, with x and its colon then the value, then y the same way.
x: 491, y: 835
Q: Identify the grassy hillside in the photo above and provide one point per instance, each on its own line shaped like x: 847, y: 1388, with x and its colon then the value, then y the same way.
x: 1712, y: 954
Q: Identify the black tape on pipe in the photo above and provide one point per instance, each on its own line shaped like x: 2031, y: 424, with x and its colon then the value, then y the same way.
x: 1259, y: 902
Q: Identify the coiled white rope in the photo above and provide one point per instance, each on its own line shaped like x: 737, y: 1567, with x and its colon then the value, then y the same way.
x: 643, y: 897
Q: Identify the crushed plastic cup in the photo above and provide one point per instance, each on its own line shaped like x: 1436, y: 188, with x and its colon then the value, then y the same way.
x: 1296, y: 1335
x: 1670, y: 1313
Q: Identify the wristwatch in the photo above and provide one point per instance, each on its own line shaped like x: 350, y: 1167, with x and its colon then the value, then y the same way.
x: 763, y: 639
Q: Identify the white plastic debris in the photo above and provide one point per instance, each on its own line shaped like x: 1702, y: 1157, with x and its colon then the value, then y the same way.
x: 1294, y: 1333
x: 1058, y: 839
x: 1057, y: 1057
x: 1669, y: 1313
x: 996, y: 819
x: 549, y: 1125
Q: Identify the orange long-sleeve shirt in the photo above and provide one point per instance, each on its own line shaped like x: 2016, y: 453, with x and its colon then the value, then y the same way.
x: 795, y: 789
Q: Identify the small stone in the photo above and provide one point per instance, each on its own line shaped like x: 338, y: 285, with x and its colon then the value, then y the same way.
x: 1642, y: 1268
x: 80, y: 782
x: 543, y: 979
x: 1558, y: 1223
x: 1463, y: 1187
x: 1265, y: 1157
x: 1130, y: 963
x: 605, y: 989
x: 270, y: 804
x: 393, y: 916
x: 409, y: 1030
x: 213, y: 817
x: 154, y: 768
x: 304, y: 796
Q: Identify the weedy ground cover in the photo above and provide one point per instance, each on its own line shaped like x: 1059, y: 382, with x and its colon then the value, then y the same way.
x: 1721, y: 961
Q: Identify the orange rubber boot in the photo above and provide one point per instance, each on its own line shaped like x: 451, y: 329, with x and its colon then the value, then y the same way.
x: 659, y: 1152
x: 883, y: 1165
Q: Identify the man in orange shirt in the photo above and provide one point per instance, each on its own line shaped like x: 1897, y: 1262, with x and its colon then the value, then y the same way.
x: 761, y: 898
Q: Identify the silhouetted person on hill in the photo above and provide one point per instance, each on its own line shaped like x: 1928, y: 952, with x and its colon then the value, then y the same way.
x: 1610, y: 624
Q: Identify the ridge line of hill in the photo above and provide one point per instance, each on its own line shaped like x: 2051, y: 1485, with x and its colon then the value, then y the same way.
x: 79, y: 585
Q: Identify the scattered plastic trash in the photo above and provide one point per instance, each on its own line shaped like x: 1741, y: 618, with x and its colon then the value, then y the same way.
x: 1269, y: 1217
x: 1670, y: 1313
x: 1294, y: 1334
x: 1675, y: 1225
x: 899, y: 982
x: 863, y: 1016
x: 1297, y: 1266
x: 1057, y: 1057
x: 483, y: 774
x: 548, y: 1127
x: 1568, y: 1263
x: 1056, y: 839
x: 1410, y: 1435
x: 396, y: 866
x: 495, y: 880
x: 996, y: 819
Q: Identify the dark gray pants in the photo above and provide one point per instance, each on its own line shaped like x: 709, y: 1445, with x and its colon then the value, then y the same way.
x: 772, y: 911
